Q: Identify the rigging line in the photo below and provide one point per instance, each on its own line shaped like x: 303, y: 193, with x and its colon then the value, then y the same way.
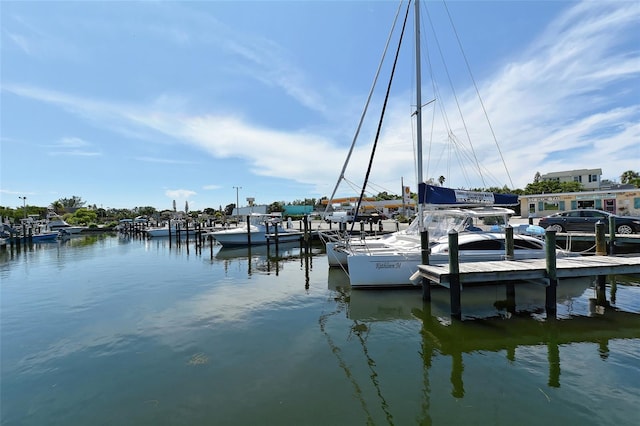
x: 374, y: 374
x: 484, y: 110
x: 366, y: 107
x: 343, y: 365
x: 436, y: 92
x: 384, y: 108
x: 455, y: 96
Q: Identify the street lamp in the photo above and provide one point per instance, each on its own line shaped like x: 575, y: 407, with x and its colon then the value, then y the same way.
x: 237, y: 200
x: 24, y: 206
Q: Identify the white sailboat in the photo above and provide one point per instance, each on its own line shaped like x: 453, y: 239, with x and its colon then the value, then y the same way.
x: 392, y: 260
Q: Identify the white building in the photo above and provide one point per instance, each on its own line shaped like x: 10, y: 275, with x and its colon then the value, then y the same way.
x: 589, y: 178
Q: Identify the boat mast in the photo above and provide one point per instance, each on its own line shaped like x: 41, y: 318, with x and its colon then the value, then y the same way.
x: 418, y: 110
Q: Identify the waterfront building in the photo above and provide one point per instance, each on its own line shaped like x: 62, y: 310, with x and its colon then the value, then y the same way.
x: 625, y: 202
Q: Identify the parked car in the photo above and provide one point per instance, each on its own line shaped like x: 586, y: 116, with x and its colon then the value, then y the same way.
x: 585, y: 220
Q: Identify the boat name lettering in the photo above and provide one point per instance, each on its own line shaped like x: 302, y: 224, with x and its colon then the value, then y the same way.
x: 387, y: 265
x: 474, y: 197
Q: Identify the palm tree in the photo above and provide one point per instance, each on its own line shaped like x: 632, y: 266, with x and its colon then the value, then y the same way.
x: 57, y: 207
x: 628, y: 176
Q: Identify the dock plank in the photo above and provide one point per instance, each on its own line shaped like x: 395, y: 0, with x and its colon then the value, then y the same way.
x: 531, y: 269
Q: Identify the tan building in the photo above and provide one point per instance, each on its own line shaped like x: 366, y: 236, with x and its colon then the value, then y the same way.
x: 625, y: 202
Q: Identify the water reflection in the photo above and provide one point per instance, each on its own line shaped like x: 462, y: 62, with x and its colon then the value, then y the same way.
x: 16, y: 250
x: 489, y: 327
x: 269, y: 259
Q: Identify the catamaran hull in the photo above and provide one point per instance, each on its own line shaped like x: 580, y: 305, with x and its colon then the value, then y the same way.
x: 396, y: 269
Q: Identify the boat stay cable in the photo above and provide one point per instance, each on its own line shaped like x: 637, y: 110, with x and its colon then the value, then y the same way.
x: 384, y: 108
x: 484, y: 110
x: 366, y: 107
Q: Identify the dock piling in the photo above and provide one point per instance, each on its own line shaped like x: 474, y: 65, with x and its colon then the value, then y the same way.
x: 612, y: 236
x: 551, y: 290
x: 454, y: 281
x: 424, y: 247
x: 509, y: 244
x: 601, y: 242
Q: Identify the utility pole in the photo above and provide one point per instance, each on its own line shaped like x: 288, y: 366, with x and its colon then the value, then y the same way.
x: 24, y: 206
x: 237, y: 200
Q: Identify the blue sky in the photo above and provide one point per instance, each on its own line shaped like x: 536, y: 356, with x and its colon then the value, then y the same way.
x: 131, y: 104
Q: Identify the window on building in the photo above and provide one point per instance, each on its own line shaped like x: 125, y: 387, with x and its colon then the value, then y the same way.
x: 586, y: 204
x: 593, y: 178
x: 577, y: 178
x: 551, y: 205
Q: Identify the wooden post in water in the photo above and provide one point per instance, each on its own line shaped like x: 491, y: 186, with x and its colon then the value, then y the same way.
x: 249, y: 230
x: 169, y: 225
x: 551, y: 290
x: 509, y: 247
x: 306, y: 233
x: 508, y: 242
x: 601, y: 250
x: 454, y: 275
x: 424, y: 252
x: 601, y: 242
x: 267, y: 237
x: 612, y: 235
x: 276, y: 237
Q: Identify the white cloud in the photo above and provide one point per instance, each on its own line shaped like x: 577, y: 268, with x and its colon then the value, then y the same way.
x: 179, y: 193
x: 575, y: 89
x: 211, y: 187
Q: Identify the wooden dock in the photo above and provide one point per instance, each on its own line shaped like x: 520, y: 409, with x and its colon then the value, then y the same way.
x: 548, y: 271
x: 531, y: 269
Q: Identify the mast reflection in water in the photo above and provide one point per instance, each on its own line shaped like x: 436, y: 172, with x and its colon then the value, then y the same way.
x: 134, y: 331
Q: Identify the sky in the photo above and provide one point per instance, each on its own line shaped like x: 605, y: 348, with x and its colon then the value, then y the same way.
x: 133, y: 104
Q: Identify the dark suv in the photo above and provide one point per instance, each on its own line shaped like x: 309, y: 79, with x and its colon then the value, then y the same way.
x: 585, y: 220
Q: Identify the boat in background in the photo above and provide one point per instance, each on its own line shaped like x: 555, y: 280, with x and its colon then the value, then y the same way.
x: 45, y: 236
x: 261, y: 229
x: 55, y: 223
x: 175, y: 227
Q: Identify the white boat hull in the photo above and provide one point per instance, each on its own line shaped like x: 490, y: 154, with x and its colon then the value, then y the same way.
x: 395, y: 269
x: 240, y: 237
x: 164, y: 232
x: 71, y: 230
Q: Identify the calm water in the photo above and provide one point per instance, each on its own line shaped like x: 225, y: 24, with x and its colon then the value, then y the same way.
x: 110, y: 330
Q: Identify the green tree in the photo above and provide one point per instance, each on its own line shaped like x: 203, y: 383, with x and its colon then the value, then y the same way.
x: 147, y: 211
x: 74, y: 202
x: 275, y: 207
x: 635, y: 182
x: 82, y: 216
x: 384, y: 195
x: 629, y: 176
x: 552, y: 187
x: 57, y: 207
